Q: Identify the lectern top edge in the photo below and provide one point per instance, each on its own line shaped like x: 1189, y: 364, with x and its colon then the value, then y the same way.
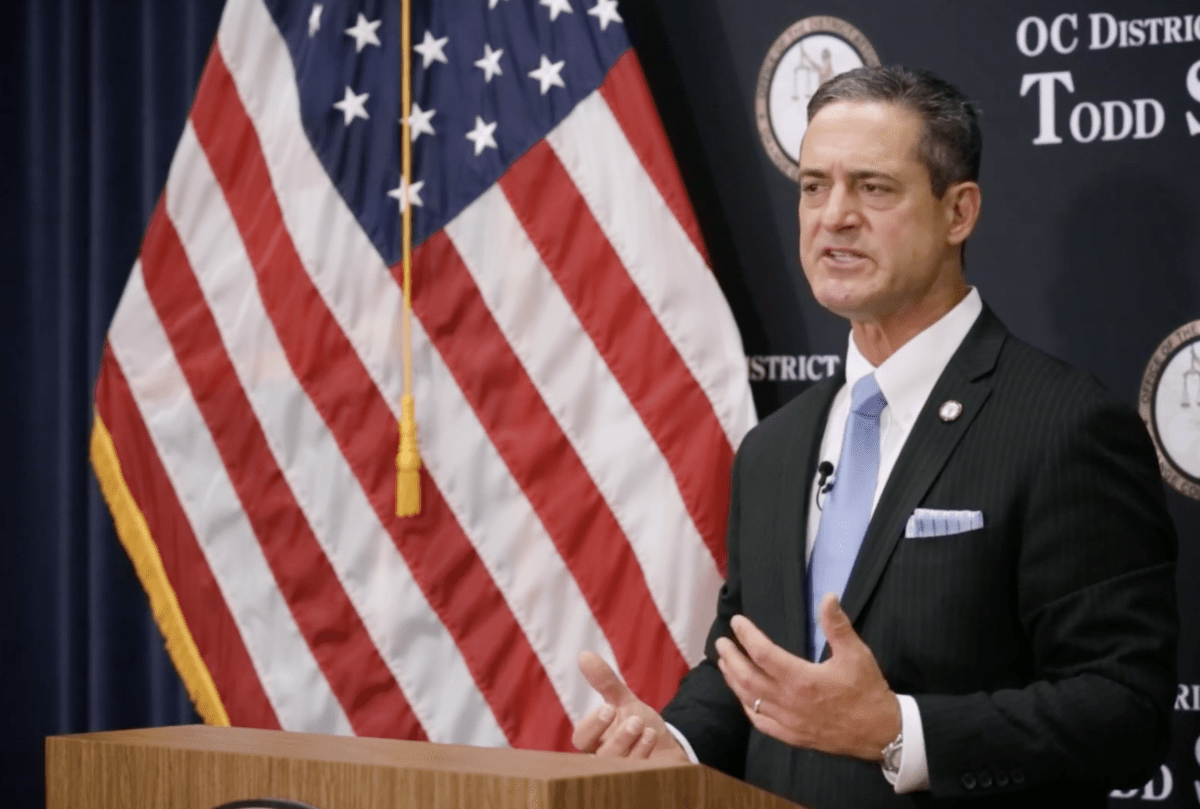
x: 373, y: 751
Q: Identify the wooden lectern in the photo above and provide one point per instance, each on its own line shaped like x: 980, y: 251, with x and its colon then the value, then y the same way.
x: 202, y: 767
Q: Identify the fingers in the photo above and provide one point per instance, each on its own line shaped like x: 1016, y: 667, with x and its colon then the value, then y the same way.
x: 756, y: 709
x: 591, y: 728
x: 602, y: 678
x: 731, y: 657
x: 758, y: 646
x: 620, y: 744
x: 770, y: 727
x: 744, y: 678
x: 836, y: 624
x: 601, y: 732
x: 644, y: 746
x: 775, y: 662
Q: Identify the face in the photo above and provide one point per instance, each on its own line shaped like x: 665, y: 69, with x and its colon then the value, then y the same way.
x: 875, y: 243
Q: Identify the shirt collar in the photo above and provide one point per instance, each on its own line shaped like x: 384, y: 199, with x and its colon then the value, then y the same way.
x: 908, y: 376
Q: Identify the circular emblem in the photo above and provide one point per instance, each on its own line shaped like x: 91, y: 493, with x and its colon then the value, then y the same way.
x: 800, y: 60
x: 950, y: 410
x: 1169, y: 403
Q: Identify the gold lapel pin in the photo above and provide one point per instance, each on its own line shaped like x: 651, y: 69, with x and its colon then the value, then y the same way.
x: 950, y: 410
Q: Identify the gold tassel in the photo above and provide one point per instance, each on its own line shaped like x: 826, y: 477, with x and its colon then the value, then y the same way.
x: 408, y: 463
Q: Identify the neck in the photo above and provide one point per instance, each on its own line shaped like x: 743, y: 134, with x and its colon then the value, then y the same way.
x: 879, y: 338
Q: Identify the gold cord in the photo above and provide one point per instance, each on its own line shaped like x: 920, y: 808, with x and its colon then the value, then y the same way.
x: 408, y: 456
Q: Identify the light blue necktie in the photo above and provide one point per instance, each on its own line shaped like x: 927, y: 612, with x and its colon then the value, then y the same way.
x: 848, y: 506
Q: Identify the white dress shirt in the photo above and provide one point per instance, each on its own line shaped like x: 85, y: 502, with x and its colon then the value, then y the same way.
x: 906, y: 379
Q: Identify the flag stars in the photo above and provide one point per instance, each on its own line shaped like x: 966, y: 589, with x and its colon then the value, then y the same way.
x: 314, y: 20
x: 494, y: 3
x: 605, y: 11
x: 548, y: 74
x: 353, y: 106
x: 483, y: 136
x: 557, y: 7
x: 408, y: 193
x: 490, y: 63
x: 364, y: 33
x: 420, y: 122
x: 432, y: 50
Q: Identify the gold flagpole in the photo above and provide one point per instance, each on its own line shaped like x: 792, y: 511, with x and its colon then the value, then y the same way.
x: 408, y: 457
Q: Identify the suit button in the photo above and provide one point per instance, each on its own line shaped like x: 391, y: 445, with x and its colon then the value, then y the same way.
x: 968, y: 781
x: 985, y: 779
x: 1001, y: 779
x: 1018, y: 777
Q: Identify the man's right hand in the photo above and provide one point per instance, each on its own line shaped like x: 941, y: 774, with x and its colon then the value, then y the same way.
x: 624, y: 726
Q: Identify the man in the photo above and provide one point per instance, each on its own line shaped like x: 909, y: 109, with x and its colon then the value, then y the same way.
x: 978, y: 531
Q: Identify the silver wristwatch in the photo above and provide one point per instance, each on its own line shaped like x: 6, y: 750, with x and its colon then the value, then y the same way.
x: 891, y: 755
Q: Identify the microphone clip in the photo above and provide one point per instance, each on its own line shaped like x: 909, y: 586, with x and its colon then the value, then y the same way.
x: 826, y: 478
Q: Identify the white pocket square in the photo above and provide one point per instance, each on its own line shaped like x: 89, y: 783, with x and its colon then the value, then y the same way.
x: 935, y: 522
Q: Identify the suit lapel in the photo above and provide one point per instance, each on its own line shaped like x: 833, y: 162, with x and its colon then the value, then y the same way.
x: 798, y: 471
x: 967, y: 380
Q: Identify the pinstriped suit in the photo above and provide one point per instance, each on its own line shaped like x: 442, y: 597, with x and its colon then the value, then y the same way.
x: 1040, y: 648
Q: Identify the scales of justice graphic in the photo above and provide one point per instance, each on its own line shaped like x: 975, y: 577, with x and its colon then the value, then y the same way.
x: 804, y: 56
x: 1169, y: 403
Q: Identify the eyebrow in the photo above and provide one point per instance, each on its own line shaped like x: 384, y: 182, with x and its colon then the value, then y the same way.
x: 855, y: 176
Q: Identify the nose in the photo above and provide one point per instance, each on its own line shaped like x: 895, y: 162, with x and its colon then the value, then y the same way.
x: 841, y: 209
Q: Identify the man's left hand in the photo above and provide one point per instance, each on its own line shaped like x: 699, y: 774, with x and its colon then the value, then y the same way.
x: 841, y: 706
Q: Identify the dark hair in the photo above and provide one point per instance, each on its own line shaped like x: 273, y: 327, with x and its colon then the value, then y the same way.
x: 951, y: 142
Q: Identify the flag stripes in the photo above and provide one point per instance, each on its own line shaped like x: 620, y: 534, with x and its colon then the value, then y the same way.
x: 204, y: 613
x: 512, y: 542
x: 647, y: 236
x: 299, y: 692
x: 327, y: 619
x: 323, y: 483
x: 578, y: 403
x: 358, y: 418
x: 595, y: 282
x: 622, y: 461
x: 550, y: 473
x: 628, y: 99
x: 365, y: 303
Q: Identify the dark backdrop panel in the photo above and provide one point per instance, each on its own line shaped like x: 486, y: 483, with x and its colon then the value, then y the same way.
x: 1088, y: 250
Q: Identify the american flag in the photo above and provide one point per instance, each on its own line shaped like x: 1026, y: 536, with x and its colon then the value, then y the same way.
x: 579, y: 380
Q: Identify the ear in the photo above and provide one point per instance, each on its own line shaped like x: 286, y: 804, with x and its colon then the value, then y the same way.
x: 961, y: 205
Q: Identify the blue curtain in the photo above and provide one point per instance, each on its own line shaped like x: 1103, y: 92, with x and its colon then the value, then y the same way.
x: 97, y: 94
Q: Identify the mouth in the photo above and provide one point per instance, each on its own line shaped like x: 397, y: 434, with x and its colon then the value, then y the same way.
x: 842, y: 256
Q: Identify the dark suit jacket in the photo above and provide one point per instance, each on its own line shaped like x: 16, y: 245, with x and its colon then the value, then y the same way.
x: 1040, y: 648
